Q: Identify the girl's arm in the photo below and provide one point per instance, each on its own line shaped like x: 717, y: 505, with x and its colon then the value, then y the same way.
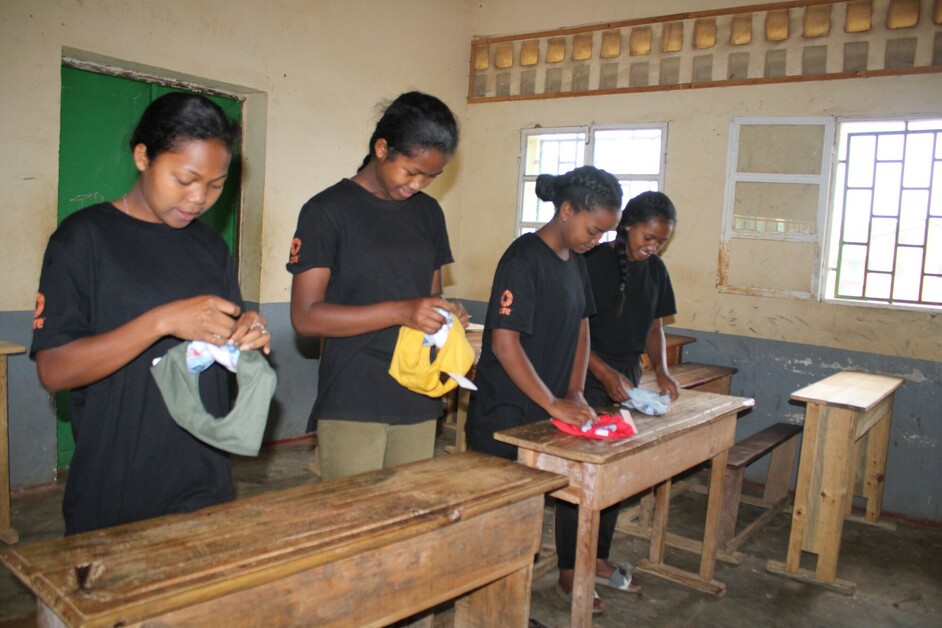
x: 580, y: 363
x: 507, y: 349
x: 657, y: 353
x: 615, y: 383
x: 311, y: 315
x: 90, y: 359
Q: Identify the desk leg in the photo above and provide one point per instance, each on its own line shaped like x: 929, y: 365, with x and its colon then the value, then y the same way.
x: 587, y: 549
x: 504, y: 602
x: 714, y: 511
x: 7, y: 534
x: 878, y: 441
x: 662, y: 504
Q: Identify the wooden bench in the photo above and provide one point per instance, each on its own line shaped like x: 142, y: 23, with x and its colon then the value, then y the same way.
x: 781, y: 440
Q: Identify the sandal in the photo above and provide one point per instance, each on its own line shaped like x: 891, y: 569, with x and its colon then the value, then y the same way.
x: 620, y: 579
x: 597, y: 605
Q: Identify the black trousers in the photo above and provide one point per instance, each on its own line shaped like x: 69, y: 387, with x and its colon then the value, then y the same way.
x: 567, y: 528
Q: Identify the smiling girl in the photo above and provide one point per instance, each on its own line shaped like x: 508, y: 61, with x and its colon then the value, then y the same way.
x: 122, y: 283
x: 366, y: 259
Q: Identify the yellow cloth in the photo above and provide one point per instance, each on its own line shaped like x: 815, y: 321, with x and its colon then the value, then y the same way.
x: 413, y: 367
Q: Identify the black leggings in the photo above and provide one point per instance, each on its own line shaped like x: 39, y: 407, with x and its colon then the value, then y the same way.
x: 567, y: 528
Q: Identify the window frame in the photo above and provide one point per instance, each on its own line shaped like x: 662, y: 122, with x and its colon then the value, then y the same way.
x: 588, y: 159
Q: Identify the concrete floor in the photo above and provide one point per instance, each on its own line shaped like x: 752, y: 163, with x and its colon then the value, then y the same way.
x: 899, y: 573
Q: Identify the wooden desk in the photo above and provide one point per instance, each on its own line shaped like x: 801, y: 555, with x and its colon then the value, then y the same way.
x: 705, y: 377
x: 701, y: 426
x: 367, y: 550
x: 674, y: 349
x: 7, y: 534
x: 843, y: 454
x: 456, y: 416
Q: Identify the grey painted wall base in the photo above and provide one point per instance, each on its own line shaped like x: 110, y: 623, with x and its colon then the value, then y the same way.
x: 769, y: 371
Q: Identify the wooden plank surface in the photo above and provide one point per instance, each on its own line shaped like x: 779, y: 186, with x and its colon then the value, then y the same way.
x: 8, y: 348
x: 689, y: 375
x: 230, y: 547
x: 691, y: 410
x: 850, y: 389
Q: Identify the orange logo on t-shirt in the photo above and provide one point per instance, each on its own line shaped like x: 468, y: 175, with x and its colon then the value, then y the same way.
x: 38, y: 319
x: 506, y: 300
x: 295, y: 249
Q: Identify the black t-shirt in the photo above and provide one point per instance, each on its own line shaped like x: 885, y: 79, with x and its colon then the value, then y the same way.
x: 545, y: 299
x: 101, y: 269
x: 376, y: 251
x: 620, y: 340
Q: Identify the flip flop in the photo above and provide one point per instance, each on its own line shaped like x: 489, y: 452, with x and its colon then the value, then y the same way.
x: 568, y: 597
x: 620, y: 579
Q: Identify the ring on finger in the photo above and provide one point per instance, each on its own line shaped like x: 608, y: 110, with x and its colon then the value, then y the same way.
x: 262, y: 328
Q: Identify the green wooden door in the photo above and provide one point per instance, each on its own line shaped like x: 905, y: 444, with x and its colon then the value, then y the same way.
x: 98, y: 115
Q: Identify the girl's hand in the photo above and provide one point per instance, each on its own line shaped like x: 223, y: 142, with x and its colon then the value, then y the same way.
x: 572, y: 412
x: 668, y: 385
x: 208, y: 318
x: 251, y: 332
x: 422, y: 314
x: 616, y: 386
x: 457, y: 310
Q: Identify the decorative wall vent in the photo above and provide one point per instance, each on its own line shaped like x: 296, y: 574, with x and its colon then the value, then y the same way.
x: 810, y: 40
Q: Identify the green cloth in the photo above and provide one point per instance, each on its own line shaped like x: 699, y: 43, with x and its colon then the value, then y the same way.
x: 239, y: 432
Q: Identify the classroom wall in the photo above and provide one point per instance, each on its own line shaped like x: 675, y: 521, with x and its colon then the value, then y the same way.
x: 312, y: 73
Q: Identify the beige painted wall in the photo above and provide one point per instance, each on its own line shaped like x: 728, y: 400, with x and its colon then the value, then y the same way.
x: 697, y: 144
x: 321, y: 66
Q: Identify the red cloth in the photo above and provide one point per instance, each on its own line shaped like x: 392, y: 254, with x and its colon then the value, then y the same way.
x: 625, y: 427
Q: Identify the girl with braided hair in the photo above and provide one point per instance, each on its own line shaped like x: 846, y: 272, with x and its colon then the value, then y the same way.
x: 535, y: 350
x: 632, y: 292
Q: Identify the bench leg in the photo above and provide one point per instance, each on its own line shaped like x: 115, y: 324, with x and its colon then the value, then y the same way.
x: 729, y: 513
x: 781, y: 466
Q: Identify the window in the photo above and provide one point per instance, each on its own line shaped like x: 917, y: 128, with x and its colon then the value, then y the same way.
x: 885, y: 243
x: 880, y: 208
x: 634, y: 154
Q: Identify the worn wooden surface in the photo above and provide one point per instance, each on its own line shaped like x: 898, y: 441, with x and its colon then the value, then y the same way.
x: 691, y: 375
x: 701, y: 426
x: 7, y: 533
x: 366, y: 550
x: 843, y: 453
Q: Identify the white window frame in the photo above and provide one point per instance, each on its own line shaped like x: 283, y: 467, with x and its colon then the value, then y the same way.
x: 588, y: 158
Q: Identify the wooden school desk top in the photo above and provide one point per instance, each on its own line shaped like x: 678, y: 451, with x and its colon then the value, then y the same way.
x: 132, y: 572
x: 691, y: 410
x: 849, y: 389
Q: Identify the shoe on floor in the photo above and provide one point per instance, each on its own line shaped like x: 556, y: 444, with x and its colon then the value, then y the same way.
x: 597, y: 608
x: 620, y: 579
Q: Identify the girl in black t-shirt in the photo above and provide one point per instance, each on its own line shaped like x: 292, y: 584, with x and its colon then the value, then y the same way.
x: 366, y: 259
x: 122, y: 283
x: 535, y: 349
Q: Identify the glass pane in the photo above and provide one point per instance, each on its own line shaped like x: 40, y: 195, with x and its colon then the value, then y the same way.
x: 932, y: 290
x: 850, y: 280
x: 934, y: 247
x: 890, y: 147
x: 882, y: 244
x: 554, y: 153
x: 918, y: 160
x: 628, y: 151
x: 935, y: 203
x: 908, y: 274
x: 857, y: 216
x: 886, y: 190
x: 878, y: 286
x: 912, y: 224
x: 631, y: 189
x: 534, y: 210
x: 860, y: 161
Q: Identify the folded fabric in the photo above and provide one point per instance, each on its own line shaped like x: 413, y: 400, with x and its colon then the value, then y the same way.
x: 609, y: 426
x: 239, y: 432
x: 412, y: 364
x: 201, y: 355
x: 647, y: 401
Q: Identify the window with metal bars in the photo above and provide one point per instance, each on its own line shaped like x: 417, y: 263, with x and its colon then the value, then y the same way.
x: 885, y: 244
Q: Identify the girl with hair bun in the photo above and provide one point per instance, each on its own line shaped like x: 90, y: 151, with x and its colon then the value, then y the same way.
x: 366, y: 258
x: 122, y: 283
x: 535, y: 349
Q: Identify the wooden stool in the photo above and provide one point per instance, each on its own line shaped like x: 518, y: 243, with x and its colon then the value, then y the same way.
x: 843, y: 454
x: 782, y: 440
